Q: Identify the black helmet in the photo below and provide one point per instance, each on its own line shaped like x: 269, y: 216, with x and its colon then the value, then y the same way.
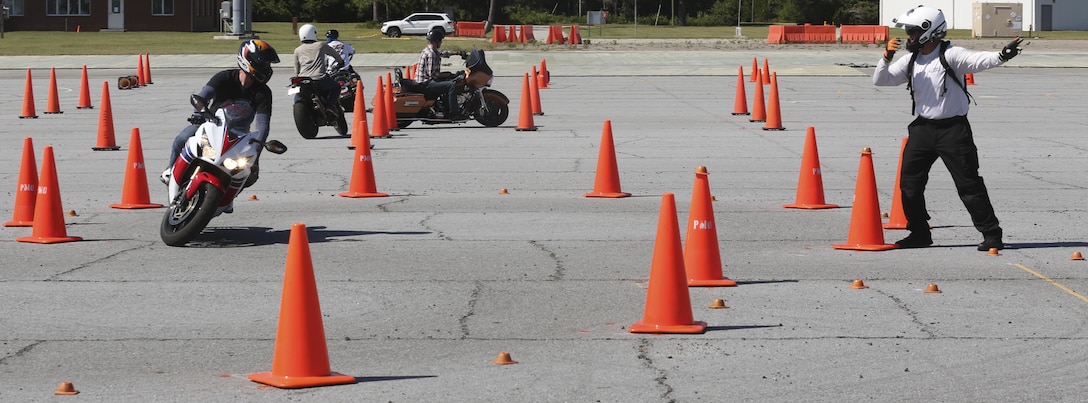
x: 332, y: 35
x: 436, y: 35
x: 255, y: 57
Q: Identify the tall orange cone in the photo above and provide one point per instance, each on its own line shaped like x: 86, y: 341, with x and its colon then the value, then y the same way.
x: 84, y: 92
x: 755, y: 71
x: 380, y: 127
x: 810, y: 182
x: 106, y: 140
x: 897, y: 219
x: 512, y: 36
x: 362, y: 173
x: 774, y: 113
x: 545, y: 75
x: 48, y: 212
x: 607, y: 183
x: 147, y: 68
x: 534, y: 93
x: 140, y: 79
x: 300, y: 358
x: 390, y: 107
x: 498, y: 34
x: 575, y: 37
x: 28, y: 98
x: 26, y: 191
x: 759, y: 109
x: 668, y: 304
x: 134, y: 194
x: 865, y: 232
x: 52, y: 105
x: 702, y: 255
x: 525, y: 115
x: 766, y: 73
x: 358, y: 125
x: 740, y: 104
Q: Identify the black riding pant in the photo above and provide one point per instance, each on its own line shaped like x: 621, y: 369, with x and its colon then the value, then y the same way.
x: 951, y: 140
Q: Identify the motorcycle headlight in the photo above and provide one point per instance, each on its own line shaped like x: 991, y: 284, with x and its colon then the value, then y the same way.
x: 206, y: 149
x: 236, y: 165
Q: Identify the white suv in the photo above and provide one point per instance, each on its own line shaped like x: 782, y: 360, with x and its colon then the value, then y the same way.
x: 418, y: 24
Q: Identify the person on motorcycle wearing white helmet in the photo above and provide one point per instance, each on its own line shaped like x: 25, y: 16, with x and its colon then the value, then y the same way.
x: 932, y: 73
x: 346, y: 51
x: 312, y: 60
x: 430, y: 67
x: 243, y: 93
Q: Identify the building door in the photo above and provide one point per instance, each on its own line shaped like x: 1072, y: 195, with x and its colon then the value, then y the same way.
x: 1047, y: 17
x: 117, y: 15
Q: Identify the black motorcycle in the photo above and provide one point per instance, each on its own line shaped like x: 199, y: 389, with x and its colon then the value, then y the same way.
x: 347, y: 79
x: 311, y: 112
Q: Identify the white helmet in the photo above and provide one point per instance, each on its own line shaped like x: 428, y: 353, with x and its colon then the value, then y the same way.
x: 928, y: 19
x: 307, y: 33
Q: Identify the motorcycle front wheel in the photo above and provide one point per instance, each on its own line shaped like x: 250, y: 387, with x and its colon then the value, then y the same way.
x: 303, y: 121
x: 497, y: 112
x: 185, y: 219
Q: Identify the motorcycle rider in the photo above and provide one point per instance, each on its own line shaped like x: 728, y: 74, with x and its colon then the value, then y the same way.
x: 430, y: 66
x: 244, y: 95
x: 310, y: 61
x: 346, y: 51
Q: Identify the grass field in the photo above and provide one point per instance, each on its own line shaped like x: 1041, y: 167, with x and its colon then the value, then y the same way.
x: 364, y: 37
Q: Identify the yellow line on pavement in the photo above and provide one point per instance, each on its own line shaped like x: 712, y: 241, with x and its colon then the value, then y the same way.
x: 1049, y: 280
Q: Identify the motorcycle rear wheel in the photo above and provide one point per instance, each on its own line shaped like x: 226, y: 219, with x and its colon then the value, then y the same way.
x: 303, y: 121
x: 185, y: 219
x: 342, y: 125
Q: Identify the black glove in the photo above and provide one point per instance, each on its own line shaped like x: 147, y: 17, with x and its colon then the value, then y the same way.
x: 889, y: 50
x: 1011, y: 50
x: 196, y: 118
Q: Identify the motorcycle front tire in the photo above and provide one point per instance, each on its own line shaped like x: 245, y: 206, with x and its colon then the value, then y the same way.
x: 204, y: 202
x: 303, y: 121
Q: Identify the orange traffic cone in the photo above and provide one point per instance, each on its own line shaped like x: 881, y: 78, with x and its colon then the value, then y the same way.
x: 52, y: 106
x: 534, y: 92
x: 969, y: 79
x: 390, y: 107
x: 512, y: 36
x: 380, y: 126
x: 702, y: 257
x: 147, y: 68
x: 28, y: 98
x: 358, y: 124
x: 740, y: 105
x: 774, y: 113
x: 668, y: 304
x: 84, y: 92
x: 140, y: 79
x: 498, y: 34
x: 300, y: 358
x: 48, y: 212
x: 810, y: 182
x: 755, y: 71
x: 865, y: 232
x: 607, y: 183
x: 525, y: 115
x: 545, y: 75
x: 106, y: 141
x: 134, y: 195
x: 575, y: 37
x: 527, y: 34
x: 759, y: 109
x: 26, y: 190
x: 362, y: 172
x: 766, y: 73
x: 897, y: 219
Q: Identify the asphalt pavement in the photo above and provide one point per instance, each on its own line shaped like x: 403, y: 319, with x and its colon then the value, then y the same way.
x: 421, y: 290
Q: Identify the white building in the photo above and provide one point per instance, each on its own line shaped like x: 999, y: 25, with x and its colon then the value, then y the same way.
x: 1039, y: 15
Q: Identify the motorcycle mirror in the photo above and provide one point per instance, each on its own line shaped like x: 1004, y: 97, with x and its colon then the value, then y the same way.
x: 275, y: 147
x: 198, y: 102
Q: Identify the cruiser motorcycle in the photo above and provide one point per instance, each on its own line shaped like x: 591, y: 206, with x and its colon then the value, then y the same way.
x: 476, y: 98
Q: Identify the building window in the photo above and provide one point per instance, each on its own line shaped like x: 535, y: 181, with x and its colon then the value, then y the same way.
x: 162, y: 7
x: 67, y: 7
x: 15, y: 7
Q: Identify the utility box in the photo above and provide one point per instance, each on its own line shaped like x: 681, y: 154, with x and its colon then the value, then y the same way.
x: 997, y: 20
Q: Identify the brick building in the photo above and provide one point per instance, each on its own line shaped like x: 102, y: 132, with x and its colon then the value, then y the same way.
x: 114, y: 15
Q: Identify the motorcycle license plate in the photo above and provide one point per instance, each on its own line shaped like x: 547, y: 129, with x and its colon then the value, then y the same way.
x: 292, y: 91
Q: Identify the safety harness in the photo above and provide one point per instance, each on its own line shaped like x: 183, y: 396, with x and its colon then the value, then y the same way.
x: 947, y: 71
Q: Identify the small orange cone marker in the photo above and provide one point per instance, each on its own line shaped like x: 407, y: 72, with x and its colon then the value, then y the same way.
x: 48, y: 213
x: 390, y: 106
x: 1076, y: 256
x: 759, y: 107
x: 810, y: 182
x: 858, y: 285
x: 134, y: 195
x: 668, y: 304
x: 896, y: 218
x: 932, y: 289
x: 380, y: 125
x: 66, y: 388
x: 84, y: 92
x: 774, y: 112
x: 106, y: 140
x: 362, y: 172
x: 503, y: 191
x: 740, y: 103
x: 607, y: 182
x: 718, y: 303
x: 525, y: 114
x: 358, y: 123
x: 865, y: 231
x: 26, y: 191
x: 993, y: 252
x: 300, y: 358
x: 534, y: 93
x: 503, y: 359
x: 52, y: 105
x: 28, y: 98
x: 702, y: 255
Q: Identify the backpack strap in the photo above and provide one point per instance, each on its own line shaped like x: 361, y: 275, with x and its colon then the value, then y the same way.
x: 947, y: 71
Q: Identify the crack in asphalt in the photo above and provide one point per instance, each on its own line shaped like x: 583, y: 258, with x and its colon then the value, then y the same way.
x: 473, y: 298
x: 560, y: 270
x: 662, y: 377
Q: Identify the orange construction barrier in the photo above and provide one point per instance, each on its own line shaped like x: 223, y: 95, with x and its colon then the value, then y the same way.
x: 740, y: 104
x: 26, y: 189
x: 607, y: 182
x: 668, y: 304
x: 106, y: 141
x: 134, y: 194
x: 702, y: 254
x: 820, y: 33
x: 28, y: 98
x: 534, y: 89
x: 776, y: 34
x: 525, y: 114
x: 48, y: 212
x: 759, y: 108
x: 52, y: 105
x: 865, y: 232
x: 810, y: 182
x: 470, y: 29
x: 897, y: 219
x: 84, y: 92
x: 362, y: 172
x: 380, y: 127
x: 358, y: 121
x: 794, y: 33
x: 300, y: 358
x: 774, y: 112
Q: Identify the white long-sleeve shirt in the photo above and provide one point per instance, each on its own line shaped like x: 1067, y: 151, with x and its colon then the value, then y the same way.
x: 932, y: 100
